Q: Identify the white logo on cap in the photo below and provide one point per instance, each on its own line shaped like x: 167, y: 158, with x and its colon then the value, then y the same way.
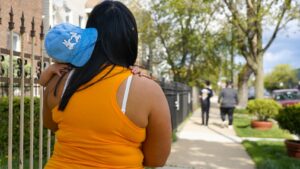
x: 69, y: 44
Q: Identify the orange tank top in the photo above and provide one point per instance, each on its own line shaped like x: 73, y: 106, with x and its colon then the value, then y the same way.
x: 93, y: 132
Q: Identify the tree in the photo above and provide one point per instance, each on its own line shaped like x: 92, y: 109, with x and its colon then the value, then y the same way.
x: 192, y: 49
x: 249, y: 18
x: 283, y: 76
x: 243, y: 78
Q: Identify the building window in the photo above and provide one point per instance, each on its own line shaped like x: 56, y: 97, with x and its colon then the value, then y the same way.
x: 16, y: 42
x: 80, y: 21
x: 68, y: 19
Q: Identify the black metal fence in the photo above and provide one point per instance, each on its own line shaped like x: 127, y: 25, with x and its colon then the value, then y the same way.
x: 179, y: 98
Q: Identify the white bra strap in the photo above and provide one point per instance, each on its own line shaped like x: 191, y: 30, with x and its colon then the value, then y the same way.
x: 67, y: 81
x: 126, y: 94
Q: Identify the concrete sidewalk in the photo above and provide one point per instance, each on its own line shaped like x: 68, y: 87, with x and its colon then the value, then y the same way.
x: 212, y: 147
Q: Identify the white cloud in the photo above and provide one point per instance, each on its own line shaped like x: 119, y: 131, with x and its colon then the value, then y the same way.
x: 271, y: 59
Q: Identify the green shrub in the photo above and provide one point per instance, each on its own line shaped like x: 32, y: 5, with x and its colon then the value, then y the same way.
x: 289, y: 119
x: 16, y: 128
x: 263, y: 109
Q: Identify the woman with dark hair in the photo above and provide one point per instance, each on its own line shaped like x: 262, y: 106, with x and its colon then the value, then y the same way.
x: 102, y: 115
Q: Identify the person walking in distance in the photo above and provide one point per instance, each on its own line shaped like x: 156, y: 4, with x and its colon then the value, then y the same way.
x: 228, y: 99
x: 205, y: 94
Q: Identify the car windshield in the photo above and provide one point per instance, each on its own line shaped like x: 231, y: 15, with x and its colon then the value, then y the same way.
x: 289, y: 95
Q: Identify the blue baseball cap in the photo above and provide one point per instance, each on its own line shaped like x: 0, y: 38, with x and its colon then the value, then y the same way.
x: 71, y: 44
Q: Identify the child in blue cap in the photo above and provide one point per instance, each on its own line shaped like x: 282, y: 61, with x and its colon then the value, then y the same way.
x: 70, y: 46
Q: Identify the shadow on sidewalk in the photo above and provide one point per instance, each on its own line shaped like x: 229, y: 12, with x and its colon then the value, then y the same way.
x: 207, y: 155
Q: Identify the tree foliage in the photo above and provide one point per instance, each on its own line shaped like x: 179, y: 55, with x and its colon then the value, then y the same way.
x: 189, y: 44
x: 283, y: 76
x: 250, y: 18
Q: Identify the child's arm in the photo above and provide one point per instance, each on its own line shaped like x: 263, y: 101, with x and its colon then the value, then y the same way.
x: 56, y: 68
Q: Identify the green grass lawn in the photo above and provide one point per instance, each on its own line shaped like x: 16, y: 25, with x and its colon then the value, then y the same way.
x: 270, y: 155
x: 243, y: 129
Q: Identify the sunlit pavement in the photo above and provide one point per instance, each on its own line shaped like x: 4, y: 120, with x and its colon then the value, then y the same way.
x: 212, y: 147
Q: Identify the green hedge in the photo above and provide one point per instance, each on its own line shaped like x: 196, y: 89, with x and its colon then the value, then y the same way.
x: 16, y: 129
x: 289, y: 119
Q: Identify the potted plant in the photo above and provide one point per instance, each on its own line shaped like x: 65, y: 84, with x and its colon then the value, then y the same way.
x: 289, y: 119
x: 263, y: 109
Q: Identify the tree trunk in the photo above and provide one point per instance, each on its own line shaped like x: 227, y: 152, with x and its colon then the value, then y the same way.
x: 243, y: 79
x: 259, y: 78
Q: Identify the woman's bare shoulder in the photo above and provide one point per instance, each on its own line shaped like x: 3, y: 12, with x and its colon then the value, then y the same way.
x: 146, y: 85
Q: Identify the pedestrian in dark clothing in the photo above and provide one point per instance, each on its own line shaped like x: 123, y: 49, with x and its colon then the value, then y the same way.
x: 205, y: 95
x: 228, y: 99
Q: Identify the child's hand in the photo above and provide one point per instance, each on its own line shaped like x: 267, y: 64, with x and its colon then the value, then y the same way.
x: 59, y: 68
x: 136, y: 71
x: 56, y: 68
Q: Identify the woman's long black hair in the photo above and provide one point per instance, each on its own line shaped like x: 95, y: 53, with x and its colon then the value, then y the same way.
x: 117, y: 44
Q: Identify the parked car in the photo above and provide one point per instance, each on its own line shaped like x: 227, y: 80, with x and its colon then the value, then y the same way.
x: 286, y: 97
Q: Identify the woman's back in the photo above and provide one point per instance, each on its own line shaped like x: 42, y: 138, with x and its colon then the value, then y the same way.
x: 94, y: 132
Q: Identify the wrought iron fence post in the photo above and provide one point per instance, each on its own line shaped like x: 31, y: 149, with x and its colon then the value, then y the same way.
x: 49, y: 131
x: 41, y: 100
x: 32, y: 35
x: 21, y: 143
x: 11, y: 90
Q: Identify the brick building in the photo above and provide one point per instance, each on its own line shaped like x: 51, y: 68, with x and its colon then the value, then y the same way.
x: 31, y: 8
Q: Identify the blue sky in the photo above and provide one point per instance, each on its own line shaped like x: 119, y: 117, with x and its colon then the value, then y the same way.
x: 285, y: 49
